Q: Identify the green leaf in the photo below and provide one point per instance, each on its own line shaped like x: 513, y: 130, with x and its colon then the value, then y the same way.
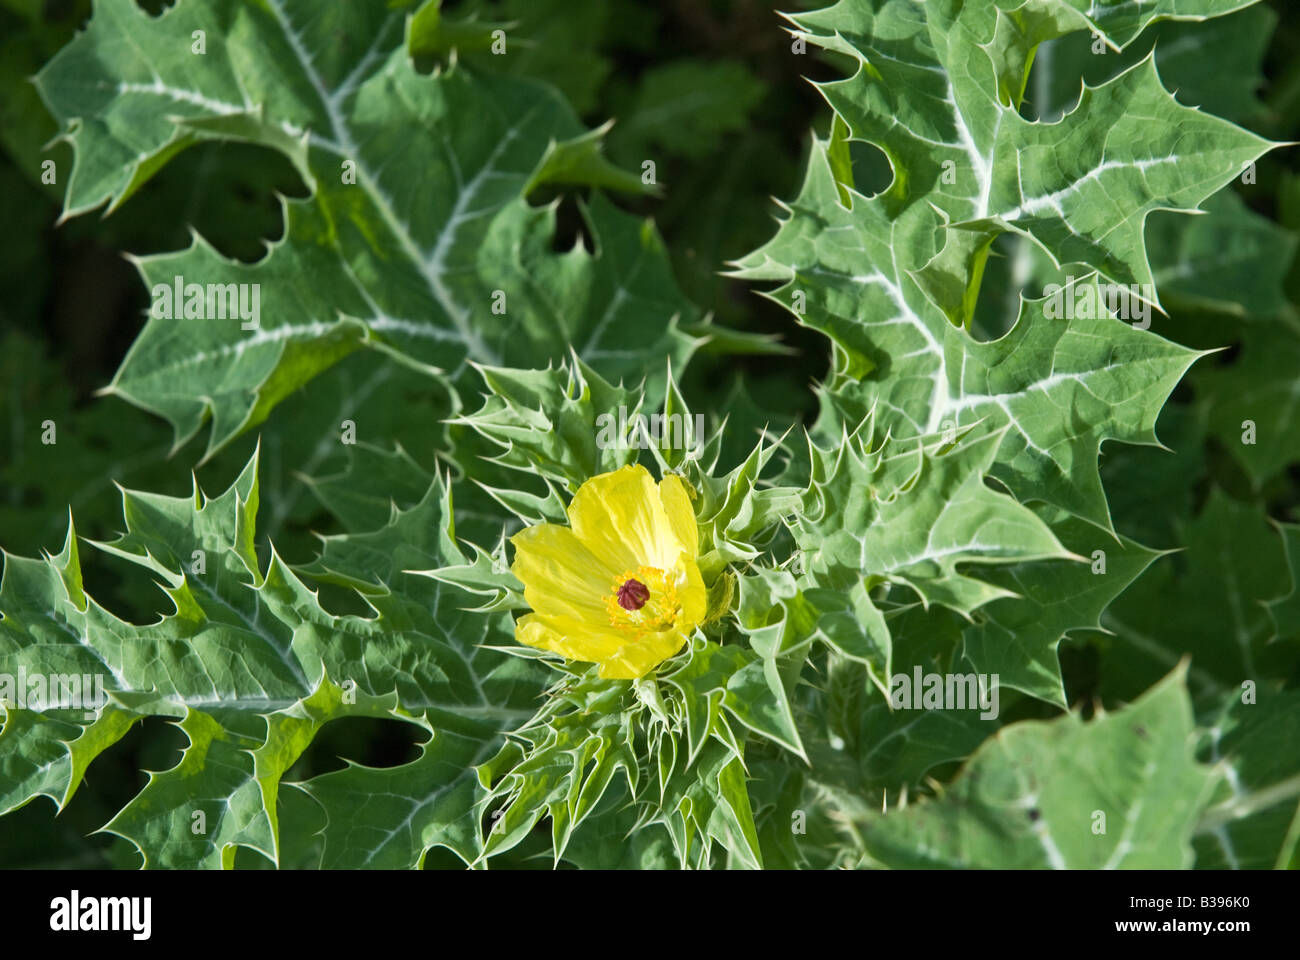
x: 1207, y: 602
x: 390, y: 818
x: 34, y: 756
x: 433, y: 255
x: 893, y: 278
x: 1085, y: 199
x: 565, y: 425
x: 909, y: 514
x: 1064, y: 388
x: 608, y: 838
x: 563, y: 42
x: 224, y: 792
x: 1232, y: 260
x: 253, y: 666
x: 664, y: 741
x: 561, y: 762
x: 1122, y: 23
x: 1031, y: 798
x: 754, y: 687
x: 432, y: 32
x: 864, y: 747
x: 1016, y: 639
x: 707, y: 803
x: 1254, y: 821
x: 738, y: 511
x: 1236, y: 44
x: 1250, y: 404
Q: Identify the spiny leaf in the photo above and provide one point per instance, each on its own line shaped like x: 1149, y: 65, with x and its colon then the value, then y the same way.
x: 562, y: 424
x: 908, y: 513
x: 417, y: 238
x: 1032, y: 796
x: 253, y: 666
x: 1236, y: 43
x: 666, y: 741
x: 866, y: 748
x: 1016, y: 639
x: 892, y: 279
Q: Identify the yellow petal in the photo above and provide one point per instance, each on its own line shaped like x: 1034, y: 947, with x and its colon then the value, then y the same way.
x: 638, y: 657
x: 570, y: 638
x: 680, y: 513
x: 621, y: 657
x: 620, y: 517
x: 693, y: 595
x: 560, y: 575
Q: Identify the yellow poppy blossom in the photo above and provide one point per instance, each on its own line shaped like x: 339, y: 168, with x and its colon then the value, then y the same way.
x: 620, y: 585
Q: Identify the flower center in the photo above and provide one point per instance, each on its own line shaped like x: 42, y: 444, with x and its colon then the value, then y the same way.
x: 643, y: 600
x: 633, y: 595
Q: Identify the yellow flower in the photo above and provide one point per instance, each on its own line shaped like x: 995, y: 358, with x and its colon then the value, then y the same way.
x: 620, y: 585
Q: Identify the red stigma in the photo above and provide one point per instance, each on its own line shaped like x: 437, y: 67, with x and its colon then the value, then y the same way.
x: 633, y: 595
